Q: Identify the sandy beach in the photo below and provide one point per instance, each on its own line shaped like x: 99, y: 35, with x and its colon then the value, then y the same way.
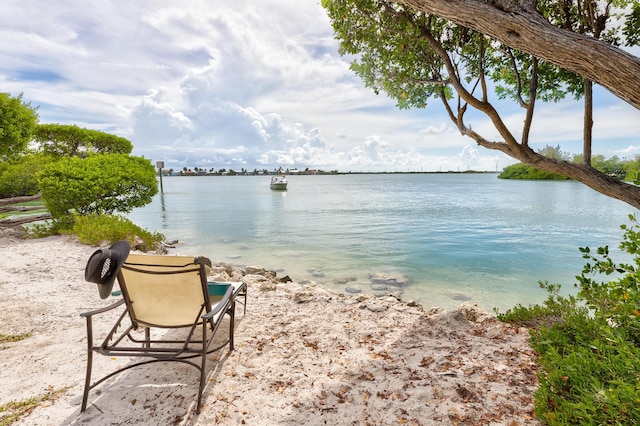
x: 304, y: 356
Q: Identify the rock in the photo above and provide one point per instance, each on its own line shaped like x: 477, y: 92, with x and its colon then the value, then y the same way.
x: 459, y: 296
x: 268, y: 286
x: 413, y: 303
x: 452, y: 320
x: 138, y: 244
x: 285, y: 279
x: 433, y: 311
x: 473, y: 313
x: 254, y: 270
x: 316, y: 274
x: 344, y: 280
x: 375, y: 307
x: 255, y: 279
x: 353, y: 290
x: 302, y: 297
x: 397, y: 281
x: 12, y: 232
x: 226, y: 267
x: 379, y: 287
x: 219, y: 275
x: 169, y: 244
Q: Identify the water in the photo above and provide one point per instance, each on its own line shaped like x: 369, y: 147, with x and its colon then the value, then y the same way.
x: 456, y: 236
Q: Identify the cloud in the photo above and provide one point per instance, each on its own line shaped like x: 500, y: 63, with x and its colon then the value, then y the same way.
x: 247, y: 84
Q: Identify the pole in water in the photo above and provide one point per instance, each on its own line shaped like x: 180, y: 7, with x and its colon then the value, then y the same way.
x: 160, y: 165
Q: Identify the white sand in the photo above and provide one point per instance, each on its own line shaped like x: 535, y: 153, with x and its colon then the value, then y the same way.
x: 303, y: 355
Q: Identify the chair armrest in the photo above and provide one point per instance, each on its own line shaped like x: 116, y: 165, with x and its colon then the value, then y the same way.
x: 223, y: 304
x: 101, y: 310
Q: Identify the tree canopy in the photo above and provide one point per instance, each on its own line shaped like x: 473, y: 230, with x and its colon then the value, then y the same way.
x: 419, y: 54
x: 62, y: 140
x: 18, y: 120
x: 100, y: 184
x: 520, y: 25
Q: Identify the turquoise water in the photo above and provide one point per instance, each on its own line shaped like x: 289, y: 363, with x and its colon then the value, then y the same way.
x: 455, y: 236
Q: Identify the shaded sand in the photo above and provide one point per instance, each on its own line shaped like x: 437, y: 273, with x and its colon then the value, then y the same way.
x: 304, y: 355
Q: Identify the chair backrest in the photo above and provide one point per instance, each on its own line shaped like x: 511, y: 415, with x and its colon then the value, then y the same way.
x: 164, y: 291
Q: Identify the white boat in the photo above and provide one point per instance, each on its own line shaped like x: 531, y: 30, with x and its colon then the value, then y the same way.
x: 279, y: 182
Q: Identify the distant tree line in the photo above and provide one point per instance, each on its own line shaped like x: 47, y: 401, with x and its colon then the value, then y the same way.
x: 203, y: 171
x: 624, y: 169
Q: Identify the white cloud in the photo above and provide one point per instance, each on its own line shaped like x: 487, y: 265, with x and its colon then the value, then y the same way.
x: 248, y: 84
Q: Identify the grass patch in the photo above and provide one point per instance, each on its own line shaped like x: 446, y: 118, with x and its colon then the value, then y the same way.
x: 13, y: 411
x: 7, y: 338
x: 95, y: 229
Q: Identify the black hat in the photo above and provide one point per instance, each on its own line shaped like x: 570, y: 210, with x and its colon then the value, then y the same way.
x: 104, y: 264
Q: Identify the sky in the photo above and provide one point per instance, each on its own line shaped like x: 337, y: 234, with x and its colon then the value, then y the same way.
x: 239, y: 84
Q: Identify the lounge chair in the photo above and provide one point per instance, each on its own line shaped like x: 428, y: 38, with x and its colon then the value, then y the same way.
x: 164, y: 292
x: 239, y: 287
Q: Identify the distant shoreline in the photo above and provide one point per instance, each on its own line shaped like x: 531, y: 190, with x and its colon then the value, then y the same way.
x: 323, y: 173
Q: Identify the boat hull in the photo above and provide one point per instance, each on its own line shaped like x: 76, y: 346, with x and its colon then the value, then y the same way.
x: 278, y: 183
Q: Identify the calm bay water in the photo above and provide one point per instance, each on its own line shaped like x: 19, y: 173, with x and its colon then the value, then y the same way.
x: 456, y: 236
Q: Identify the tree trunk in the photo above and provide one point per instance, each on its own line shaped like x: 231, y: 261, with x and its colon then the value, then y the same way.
x: 20, y: 220
x: 4, y: 209
x: 518, y: 25
x: 16, y: 200
x: 587, y: 131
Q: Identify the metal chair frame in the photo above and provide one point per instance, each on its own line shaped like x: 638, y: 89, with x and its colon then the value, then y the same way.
x: 120, y: 340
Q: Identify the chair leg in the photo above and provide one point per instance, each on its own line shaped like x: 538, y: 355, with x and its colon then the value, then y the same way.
x: 87, y: 380
x: 232, y: 316
x: 245, y: 302
x: 203, y: 366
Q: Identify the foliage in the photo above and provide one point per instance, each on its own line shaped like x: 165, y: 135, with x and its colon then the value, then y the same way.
x: 616, y: 302
x: 4, y: 338
x: 17, y: 123
x: 69, y: 141
x: 554, y: 152
x: 631, y: 28
x: 525, y: 171
x: 612, y: 166
x: 589, y: 344
x: 415, y: 56
x: 100, y: 183
x: 12, y: 411
x: 552, y: 311
x: 608, y: 165
x: 19, y: 177
x: 97, y: 229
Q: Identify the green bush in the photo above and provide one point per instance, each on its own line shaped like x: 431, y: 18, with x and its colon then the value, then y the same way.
x: 96, y: 229
x: 19, y: 177
x: 525, y: 171
x: 100, y: 183
x: 588, y: 345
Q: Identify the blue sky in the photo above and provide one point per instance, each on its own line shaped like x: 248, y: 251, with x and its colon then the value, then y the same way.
x: 246, y: 84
